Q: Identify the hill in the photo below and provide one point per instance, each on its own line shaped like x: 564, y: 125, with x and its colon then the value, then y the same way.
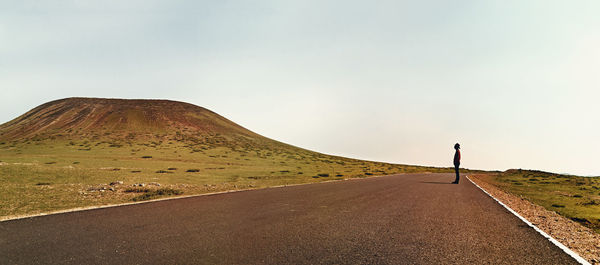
x: 125, y: 122
x: 97, y: 118
x: 66, y: 153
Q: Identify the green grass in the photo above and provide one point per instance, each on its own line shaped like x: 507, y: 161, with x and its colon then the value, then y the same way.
x: 577, y: 198
x: 44, y: 175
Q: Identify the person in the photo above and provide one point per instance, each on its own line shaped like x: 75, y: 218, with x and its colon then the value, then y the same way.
x: 456, y: 162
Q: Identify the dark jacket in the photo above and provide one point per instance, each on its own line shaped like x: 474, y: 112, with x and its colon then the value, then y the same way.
x: 457, y: 157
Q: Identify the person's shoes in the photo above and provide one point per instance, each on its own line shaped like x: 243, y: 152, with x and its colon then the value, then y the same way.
x: 455, y: 182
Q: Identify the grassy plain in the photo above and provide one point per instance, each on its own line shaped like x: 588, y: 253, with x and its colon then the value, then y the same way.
x: 56, y: 174
x: 574, y: 197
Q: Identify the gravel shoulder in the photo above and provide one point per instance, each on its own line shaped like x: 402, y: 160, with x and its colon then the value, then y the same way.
x: 584, y: 241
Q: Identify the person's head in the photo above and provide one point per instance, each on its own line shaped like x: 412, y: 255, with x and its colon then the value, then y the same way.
x: 457, y: 146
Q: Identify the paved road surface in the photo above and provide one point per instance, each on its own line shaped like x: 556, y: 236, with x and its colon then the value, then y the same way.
x: 401, y: 219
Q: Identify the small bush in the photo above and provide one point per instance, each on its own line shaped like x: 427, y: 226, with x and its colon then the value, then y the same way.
x: 50, y: 163
x: 368, y: 173
x: 136, y: 171
x: 146, y: 156
x: 157, y: 193
x: 137, y: 190
x: 43, y: 183
x: 577, y: 196
x: 323, y: 175
x: 592, y: 202
x: 163, y: 171
x: 339, y: 175
x: 193, y: 170
x: 172, y: 168
x: 580, y: 220
x: 558, y: 206
x: 315, y: 177
x: 75, y: 163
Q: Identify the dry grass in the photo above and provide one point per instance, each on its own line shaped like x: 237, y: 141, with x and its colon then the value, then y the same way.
x: 29, y: 184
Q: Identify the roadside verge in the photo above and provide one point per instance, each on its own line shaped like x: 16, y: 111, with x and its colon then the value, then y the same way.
x: 571, y: 236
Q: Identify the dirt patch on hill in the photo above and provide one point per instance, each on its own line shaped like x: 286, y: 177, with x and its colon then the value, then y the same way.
x: 584, y: 241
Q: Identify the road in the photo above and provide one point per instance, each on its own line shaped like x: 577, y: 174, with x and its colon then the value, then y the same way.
x: 399, y: 219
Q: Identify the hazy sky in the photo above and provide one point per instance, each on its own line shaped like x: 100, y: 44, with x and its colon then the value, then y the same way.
x: 517, y: 83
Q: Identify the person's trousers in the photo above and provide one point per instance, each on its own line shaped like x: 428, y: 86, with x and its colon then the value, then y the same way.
x: 456, y: 166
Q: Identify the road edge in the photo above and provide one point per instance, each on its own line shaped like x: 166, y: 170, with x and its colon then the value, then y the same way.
x: 564, y: 248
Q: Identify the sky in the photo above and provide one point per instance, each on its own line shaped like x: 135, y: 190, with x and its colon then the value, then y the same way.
x: 516, y: 83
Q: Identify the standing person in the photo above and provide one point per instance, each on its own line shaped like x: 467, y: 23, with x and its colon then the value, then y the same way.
x: 456, y: 162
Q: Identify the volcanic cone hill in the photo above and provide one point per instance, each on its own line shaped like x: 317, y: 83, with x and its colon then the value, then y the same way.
x: 97, y: 118
x: 65, y: 153
x: 125, y: 122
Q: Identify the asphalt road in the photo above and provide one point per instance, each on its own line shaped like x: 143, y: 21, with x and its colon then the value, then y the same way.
x: 401, y: 219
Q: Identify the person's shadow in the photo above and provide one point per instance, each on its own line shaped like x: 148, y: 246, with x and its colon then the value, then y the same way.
x: 435, y: 182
